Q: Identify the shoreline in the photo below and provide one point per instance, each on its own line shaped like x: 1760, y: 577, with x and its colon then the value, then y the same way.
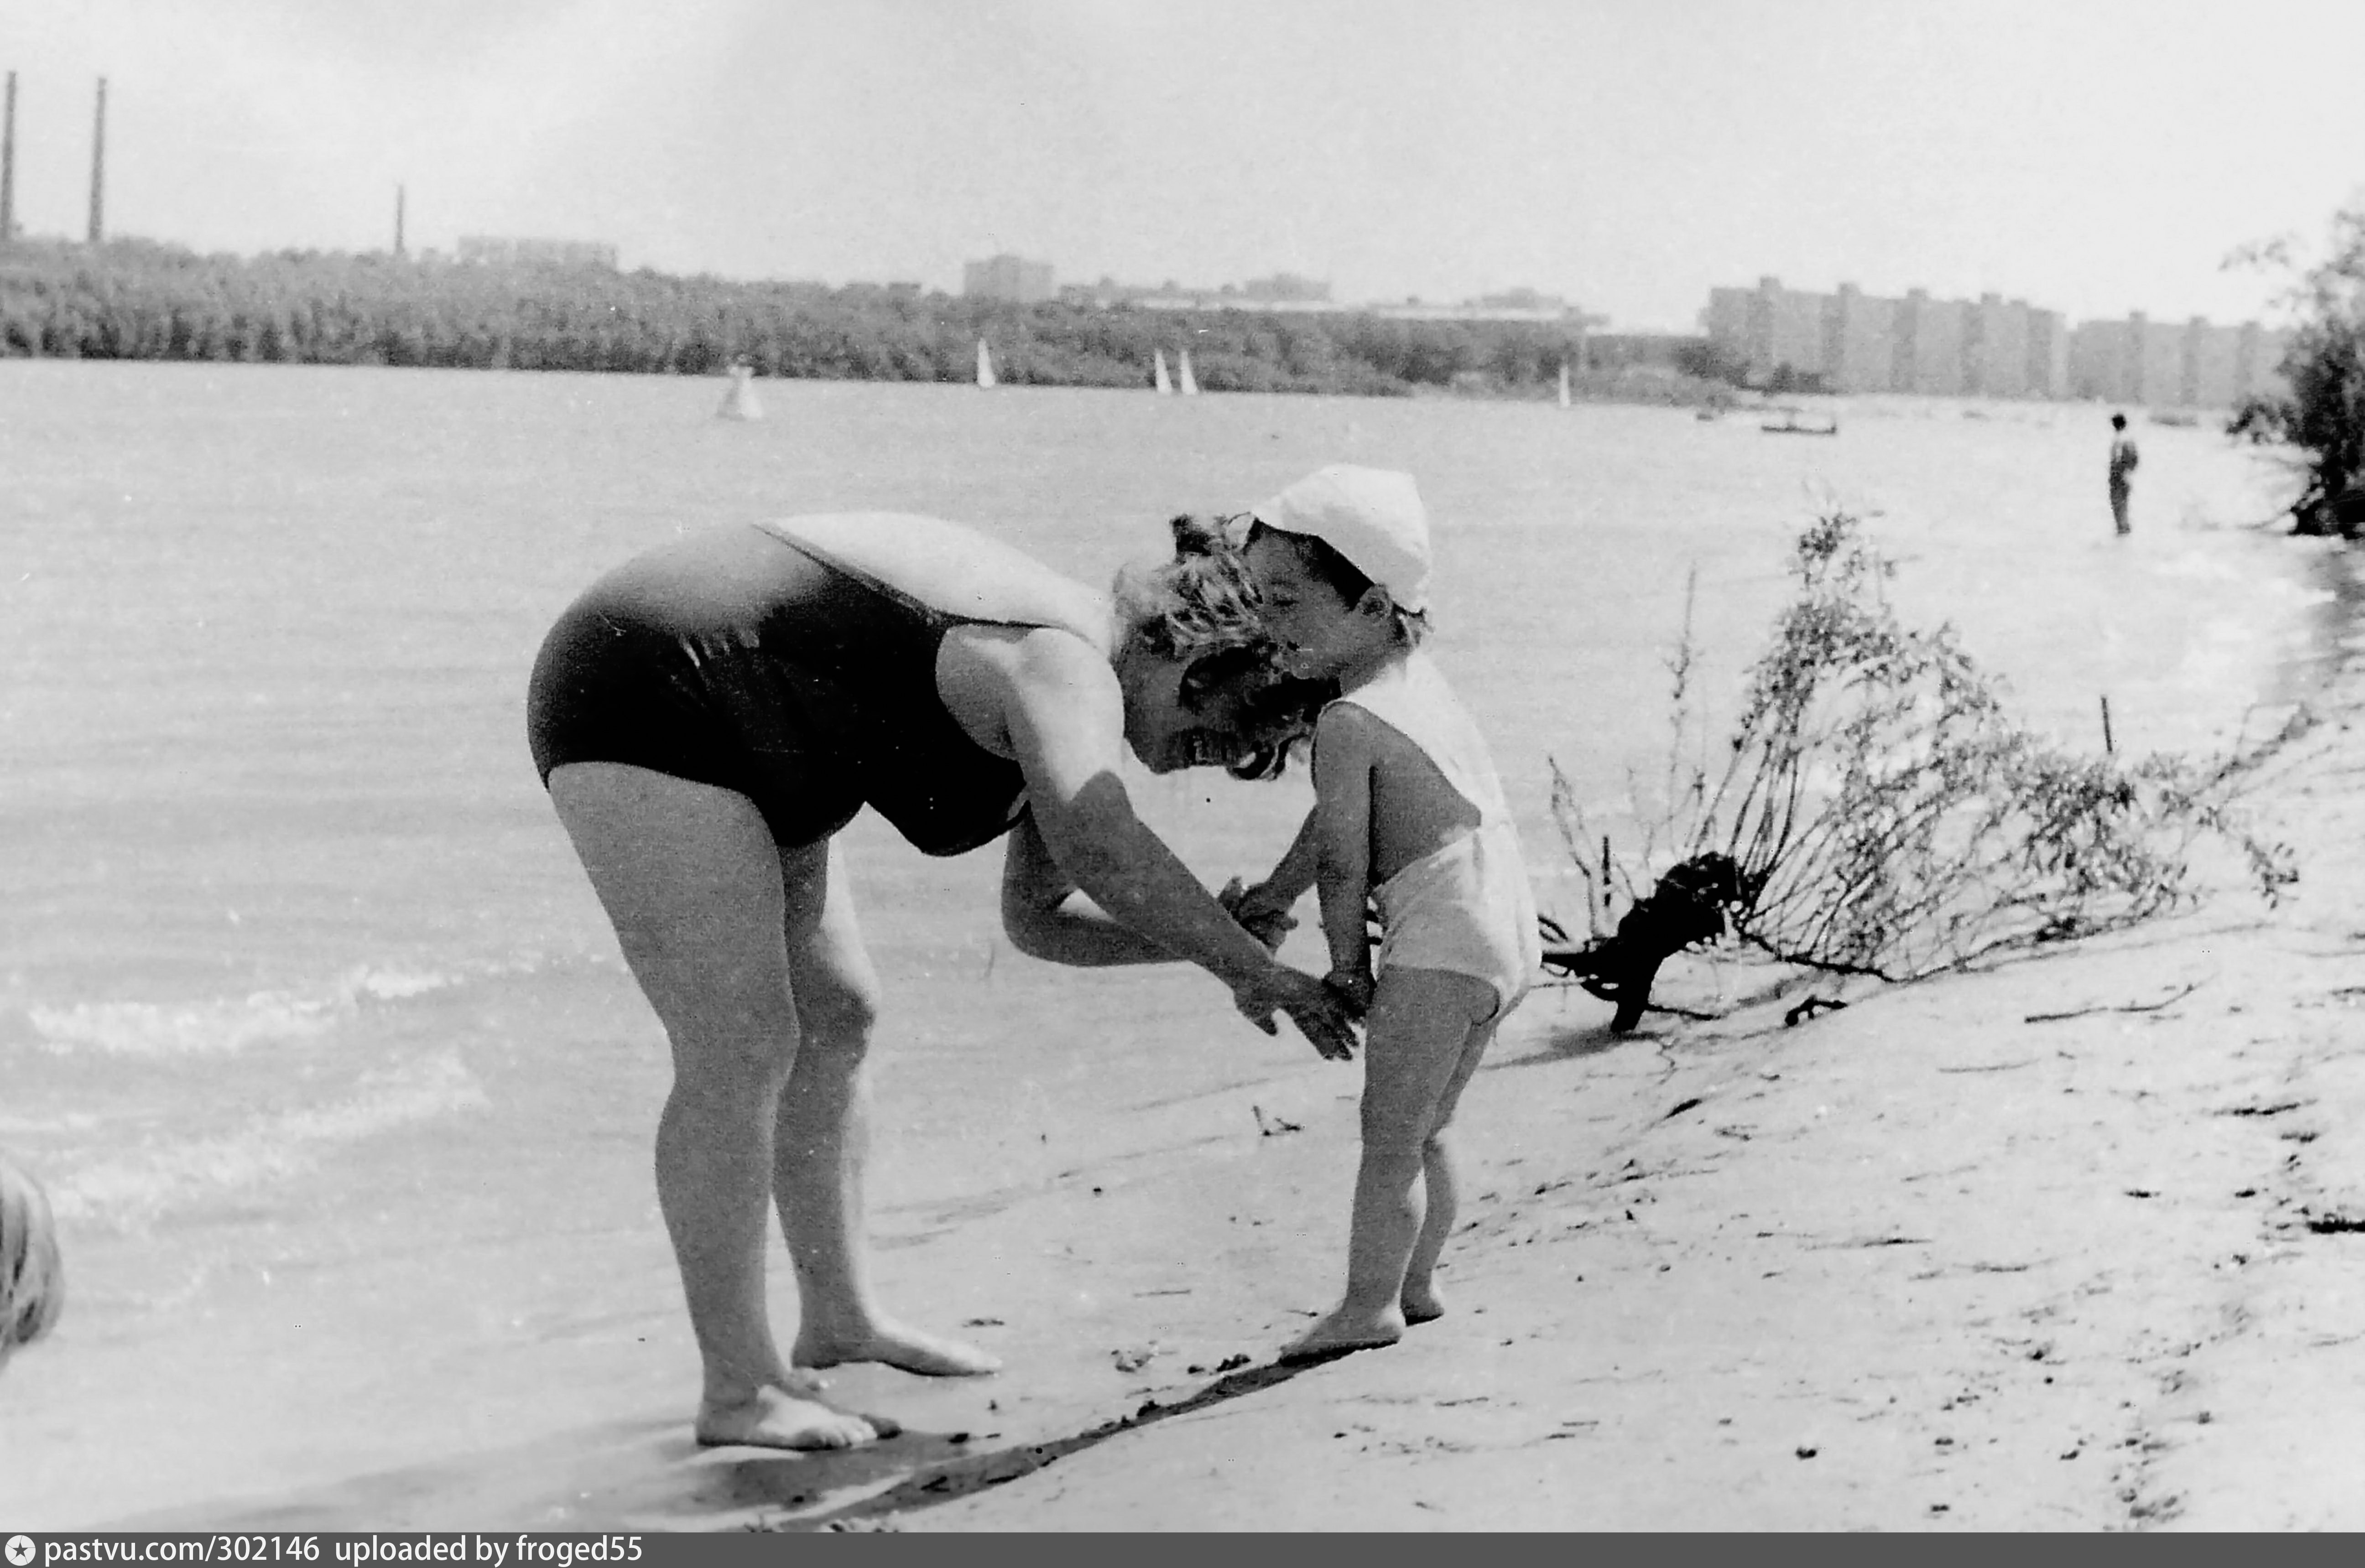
x: 1624, y: 386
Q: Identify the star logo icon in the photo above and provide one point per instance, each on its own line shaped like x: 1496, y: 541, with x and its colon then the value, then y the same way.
x: 20, y: 1551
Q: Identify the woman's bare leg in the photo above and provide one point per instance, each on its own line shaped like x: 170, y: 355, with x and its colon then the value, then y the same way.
x: 1440, y: 1180
x: 1417, y: 1034
x: 689, y: 876
x: 821, y: 1141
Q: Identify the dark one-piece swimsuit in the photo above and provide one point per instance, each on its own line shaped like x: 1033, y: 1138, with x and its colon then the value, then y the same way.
x: 754, y: 662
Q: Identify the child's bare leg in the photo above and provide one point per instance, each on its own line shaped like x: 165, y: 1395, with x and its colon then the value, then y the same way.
x: 1419, y: 1029
x: 1441, y: 1186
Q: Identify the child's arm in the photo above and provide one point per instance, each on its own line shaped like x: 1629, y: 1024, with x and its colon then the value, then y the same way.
x: 1342, y: 827
x: 1293, y: 875
x: 1264, y: 909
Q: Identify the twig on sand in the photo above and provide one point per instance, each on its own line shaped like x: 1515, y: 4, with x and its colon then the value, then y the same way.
x: 1275, y: 1125
x: 2124, y: 1007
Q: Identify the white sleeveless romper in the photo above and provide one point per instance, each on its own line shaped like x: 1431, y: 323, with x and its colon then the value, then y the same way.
x: 1466, y: 908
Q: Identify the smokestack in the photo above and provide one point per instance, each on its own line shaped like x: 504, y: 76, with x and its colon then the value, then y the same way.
x: 397, y: 220
x: 98, y: 168
x: 8, y: 166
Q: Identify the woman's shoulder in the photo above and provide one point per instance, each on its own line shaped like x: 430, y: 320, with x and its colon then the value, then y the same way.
x: 952, y: 567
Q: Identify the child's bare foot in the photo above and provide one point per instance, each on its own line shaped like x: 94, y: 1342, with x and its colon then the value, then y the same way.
x: 909, y: 1350
x: 1421, y: 1302
x: 1348, y: 1329
x: 777, y: 1418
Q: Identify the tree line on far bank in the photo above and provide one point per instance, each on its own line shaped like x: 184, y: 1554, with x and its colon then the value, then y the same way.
x: 138, y: 300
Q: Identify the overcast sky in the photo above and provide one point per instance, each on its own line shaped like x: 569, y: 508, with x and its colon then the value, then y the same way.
x: 2093, y: 157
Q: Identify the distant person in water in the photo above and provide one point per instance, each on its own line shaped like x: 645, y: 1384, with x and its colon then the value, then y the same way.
x: 32, y: 1283
x: 2123, y: 458
x: 708, y: 716
x: 1409, y: 815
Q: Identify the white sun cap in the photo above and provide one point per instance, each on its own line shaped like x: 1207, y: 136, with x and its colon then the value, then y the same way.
x: 1371, y: 516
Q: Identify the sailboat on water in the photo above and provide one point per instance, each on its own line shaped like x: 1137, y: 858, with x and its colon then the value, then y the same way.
x: 1158, y: 360
x: 1190, y: 382
x: 984, y: 364
x: 740, y: 402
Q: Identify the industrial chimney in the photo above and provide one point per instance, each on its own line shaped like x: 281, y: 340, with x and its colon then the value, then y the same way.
x: 98, y: 168
x: 8, y: 166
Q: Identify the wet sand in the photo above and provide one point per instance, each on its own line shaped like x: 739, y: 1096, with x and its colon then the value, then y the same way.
x: 2075, y: 1242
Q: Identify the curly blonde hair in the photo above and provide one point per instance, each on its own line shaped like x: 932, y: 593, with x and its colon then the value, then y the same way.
x: 1200, y: 600
x: 1202, y: 608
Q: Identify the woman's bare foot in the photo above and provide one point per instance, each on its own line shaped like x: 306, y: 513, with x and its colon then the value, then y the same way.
x: 776, y: 1417
x: 1421, y: 1302
x: 1348, y: 1329
x: 909, y: 1350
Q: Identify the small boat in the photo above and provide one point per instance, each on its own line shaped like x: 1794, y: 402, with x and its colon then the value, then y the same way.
x: 1564, y: 384
x: 1793, y: 425
x: 1165, y: 385
x: 1708, y: 415
x: 1190, y: 383
x: 984, y: 364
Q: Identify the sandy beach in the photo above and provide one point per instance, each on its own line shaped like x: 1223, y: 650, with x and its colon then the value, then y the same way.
x: 2078, y: 1243
x: 2074, y: 1242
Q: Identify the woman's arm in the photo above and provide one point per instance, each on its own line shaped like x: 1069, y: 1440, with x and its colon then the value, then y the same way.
x: 1066, y: 718
x: 1343, y: 833
x: 1045, y: 919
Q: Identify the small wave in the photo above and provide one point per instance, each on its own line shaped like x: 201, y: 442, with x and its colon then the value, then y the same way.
x: 131, y: 1189
x: 155, y: 1029
x: 225, y: 1026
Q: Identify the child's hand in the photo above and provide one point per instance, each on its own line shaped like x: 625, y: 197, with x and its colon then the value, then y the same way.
x: 1354, y: 987
x: 1257, y: 913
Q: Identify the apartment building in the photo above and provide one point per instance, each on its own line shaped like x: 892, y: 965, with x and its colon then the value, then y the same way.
x: 1990, y: 347
x: 1007, y: 277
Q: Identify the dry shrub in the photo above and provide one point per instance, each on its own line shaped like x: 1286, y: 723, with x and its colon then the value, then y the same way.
x: 1887, y: 816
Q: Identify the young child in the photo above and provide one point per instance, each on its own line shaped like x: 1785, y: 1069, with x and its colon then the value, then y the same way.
x: 32, y: 1289
x: 1409, y: 815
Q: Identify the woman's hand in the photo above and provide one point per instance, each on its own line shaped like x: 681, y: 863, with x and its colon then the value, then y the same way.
x: 1319, y: 1013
